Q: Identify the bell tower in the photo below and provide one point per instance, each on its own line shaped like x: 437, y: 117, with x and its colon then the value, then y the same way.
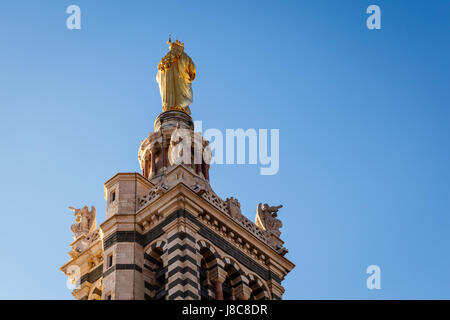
x: 168, y: 235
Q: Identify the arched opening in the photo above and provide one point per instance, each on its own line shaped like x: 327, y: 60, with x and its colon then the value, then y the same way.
x: 257, y: 291
x: 95, y: 293
x: 227, y: 289
x: 232, y: 280
x: 154, y: 275
x: 157, y: 159
x: 207, y: 263
x: 204, y: 285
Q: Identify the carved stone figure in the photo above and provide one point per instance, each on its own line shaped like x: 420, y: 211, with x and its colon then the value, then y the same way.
x: 86, y: 223
x: 234, y: 207
x: 266, y: 219
x: 176, y: 71
x: 180, y: 146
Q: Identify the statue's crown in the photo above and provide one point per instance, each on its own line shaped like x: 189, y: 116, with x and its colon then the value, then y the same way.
x: 176, y: 43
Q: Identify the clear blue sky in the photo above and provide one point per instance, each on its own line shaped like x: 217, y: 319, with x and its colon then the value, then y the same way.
x: 363, y: 116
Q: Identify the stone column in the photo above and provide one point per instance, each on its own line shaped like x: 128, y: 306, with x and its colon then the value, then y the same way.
x: 274, y: 282
x: 276, y: 290
x: 218, y: 276
x: 205, y: 169
x: 219, y: 292
x: 153, y: 162
x: 146, y: 168
x: 165, y: 151
x: 183, y: 279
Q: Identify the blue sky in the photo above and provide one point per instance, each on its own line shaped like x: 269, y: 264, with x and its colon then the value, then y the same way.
x: 363, y: 118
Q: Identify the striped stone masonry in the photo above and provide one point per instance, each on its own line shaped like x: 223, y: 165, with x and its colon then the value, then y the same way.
x: 182, y: 269
x: 169, y: 236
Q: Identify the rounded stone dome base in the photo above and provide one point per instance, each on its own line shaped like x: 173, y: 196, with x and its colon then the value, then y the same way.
x: 170, y: 119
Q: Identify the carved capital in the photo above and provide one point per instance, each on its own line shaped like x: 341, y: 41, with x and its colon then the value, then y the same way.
x: 217, y: 275
x: 242, y: 292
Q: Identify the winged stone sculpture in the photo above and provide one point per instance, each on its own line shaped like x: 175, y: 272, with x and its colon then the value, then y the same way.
x: 85, y: 221
x: 266, y: 219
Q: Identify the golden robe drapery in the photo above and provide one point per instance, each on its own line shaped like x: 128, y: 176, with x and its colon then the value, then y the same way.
x: 176, y: 71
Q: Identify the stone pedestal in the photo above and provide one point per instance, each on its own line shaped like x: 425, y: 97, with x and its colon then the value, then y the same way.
x: 172, y: 143
x: 172, y: 119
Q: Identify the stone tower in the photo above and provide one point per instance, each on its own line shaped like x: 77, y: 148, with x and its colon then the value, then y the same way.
x: 167, y: 235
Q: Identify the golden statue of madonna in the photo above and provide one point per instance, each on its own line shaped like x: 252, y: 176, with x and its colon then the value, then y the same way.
x: 176, y: 71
